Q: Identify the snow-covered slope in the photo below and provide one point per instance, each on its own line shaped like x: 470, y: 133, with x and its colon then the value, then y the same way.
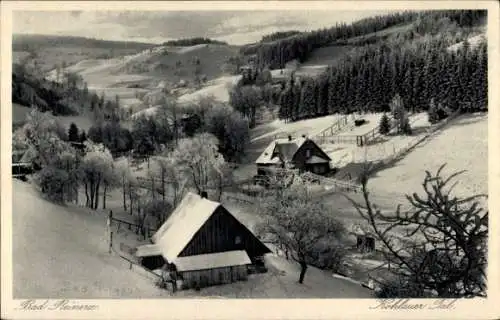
x: 473, y: 42
x: 463, y: 145
x: 61, y: 252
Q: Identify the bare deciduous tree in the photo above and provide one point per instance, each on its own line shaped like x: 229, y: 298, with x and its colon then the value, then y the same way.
x: 445, y: 254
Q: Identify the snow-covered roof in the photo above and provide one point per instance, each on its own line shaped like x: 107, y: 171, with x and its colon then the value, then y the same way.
x: 148, y: 250
x: 284, y: 147
x: 212, y: 260
x: 183, y: 223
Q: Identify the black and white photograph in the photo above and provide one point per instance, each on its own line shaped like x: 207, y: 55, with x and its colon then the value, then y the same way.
x: 248, y: 154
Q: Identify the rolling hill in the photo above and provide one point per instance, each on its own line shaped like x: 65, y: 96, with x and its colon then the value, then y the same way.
x: 49, y: 51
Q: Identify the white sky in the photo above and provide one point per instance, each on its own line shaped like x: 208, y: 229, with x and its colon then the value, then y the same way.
x: 236, y: 27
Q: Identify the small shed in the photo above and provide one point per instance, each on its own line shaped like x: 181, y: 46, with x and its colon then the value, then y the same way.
x: 202, y: 244
x: 207, y: 269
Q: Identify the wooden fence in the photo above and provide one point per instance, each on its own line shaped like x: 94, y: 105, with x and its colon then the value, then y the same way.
x: 347, y: 139
x: 21, y: 169
x: 131, y: 226
x: 338, y: 185
x: 135, y: 266
x: 337, y: 126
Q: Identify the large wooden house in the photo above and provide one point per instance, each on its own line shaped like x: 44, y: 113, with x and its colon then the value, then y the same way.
x: 203, y: 244
x: 301, y: 154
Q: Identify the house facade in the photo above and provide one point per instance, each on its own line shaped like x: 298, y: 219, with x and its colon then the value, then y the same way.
x: 202, y: 244
x: 301, y: 154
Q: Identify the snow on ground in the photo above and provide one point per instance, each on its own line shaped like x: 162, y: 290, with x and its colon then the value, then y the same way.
x: 463, y: 145
x: 372, y: 121
x: 191, y: 48
x: 345, y: 153
x: 309, y: 127
x: 281, y: 281
x: 473, y: 42
x: 61, y: 251
x: 217, y: 88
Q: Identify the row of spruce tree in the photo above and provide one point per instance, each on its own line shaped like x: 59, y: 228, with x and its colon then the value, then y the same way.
x: 368, y: 79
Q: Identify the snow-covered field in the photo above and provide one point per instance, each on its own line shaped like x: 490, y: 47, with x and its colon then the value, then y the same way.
x: 309, y: 127
x: 463, y: 145
x: 217, y: 88
x: 344, y: 153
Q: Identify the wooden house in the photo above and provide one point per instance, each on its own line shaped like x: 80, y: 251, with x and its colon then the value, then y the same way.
x: 22, y: 164
x: 202, y: 244
x: 302, y: 154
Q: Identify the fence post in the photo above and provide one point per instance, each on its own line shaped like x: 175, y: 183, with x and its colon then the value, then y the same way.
x: 110, y: 241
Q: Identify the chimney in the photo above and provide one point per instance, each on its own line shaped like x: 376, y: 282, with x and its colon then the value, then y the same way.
x: 204, y: 194
x: 304, y: 136
x: 289, y: 138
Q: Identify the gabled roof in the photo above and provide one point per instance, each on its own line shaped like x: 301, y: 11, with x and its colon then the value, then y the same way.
x: 286, y: 149
x: 212, y: 260
x: 189, y: 216
x: 180, y: 228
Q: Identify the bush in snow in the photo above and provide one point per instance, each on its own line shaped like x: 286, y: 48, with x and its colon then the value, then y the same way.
x: 51, y: 181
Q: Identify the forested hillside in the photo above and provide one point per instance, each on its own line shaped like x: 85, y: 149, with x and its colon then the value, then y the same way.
x: 276, y: 54
x: 68, y: 96
x: 30, y: 90
x: 420, y: 68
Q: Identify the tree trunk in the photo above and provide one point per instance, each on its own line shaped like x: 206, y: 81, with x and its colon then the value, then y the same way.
x: 303, y: 269
x: 153, y: 187
x: 76, y: 191
x: 220, y: 188
x: 124, y: 194
x: 130, y: 197
x: 92, y: 193
x: 87, y: 200
x: 163, y: 184
x: 96, y: 205
x: 104, y: 196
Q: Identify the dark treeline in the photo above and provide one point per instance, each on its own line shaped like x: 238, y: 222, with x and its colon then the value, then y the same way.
x: 279, y: 35
x: 368, y: 79
x: 28, y: 42
x: 276, y: 54
x: 193, y: 42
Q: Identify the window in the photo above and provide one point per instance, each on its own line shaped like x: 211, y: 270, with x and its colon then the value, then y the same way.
x: 308, y: 153
x: 237, y: 240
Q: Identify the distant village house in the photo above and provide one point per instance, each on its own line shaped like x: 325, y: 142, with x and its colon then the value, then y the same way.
x: 302, y: 154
